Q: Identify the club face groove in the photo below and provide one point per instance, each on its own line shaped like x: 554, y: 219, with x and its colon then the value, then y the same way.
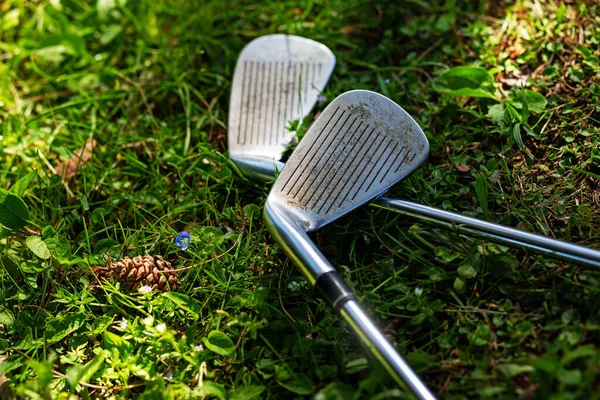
x: 277, y: 79
x: 361, y: 145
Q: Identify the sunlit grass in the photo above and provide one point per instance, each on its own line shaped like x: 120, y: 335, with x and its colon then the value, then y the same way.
x: 149, y: 82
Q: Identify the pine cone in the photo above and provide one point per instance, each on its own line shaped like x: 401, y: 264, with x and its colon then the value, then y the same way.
x: 144, y: 271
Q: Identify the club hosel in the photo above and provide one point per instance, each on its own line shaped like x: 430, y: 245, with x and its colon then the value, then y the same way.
x: 256, y: 167
x: 302, y: 251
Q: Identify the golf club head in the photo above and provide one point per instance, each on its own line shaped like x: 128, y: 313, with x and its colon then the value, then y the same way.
x: 361, y: 145
x: 277, y: 78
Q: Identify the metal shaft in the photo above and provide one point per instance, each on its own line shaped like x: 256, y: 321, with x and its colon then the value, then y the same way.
x: 313, y: 264
x: 385, y: 352
x: 494, y: 232
x: 485, y: 230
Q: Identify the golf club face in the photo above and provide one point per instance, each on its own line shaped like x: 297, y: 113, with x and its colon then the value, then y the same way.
x: 361, y: 145
x: 278, y: 78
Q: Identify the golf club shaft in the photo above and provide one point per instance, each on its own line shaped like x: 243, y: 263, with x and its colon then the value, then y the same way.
x: 494, y: 232
x: 485, y: 230
x: 382, y: 349
x: 321, y: 274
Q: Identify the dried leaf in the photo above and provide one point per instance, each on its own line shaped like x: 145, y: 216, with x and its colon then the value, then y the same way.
x: 461, y: 167
x: 67, y: 169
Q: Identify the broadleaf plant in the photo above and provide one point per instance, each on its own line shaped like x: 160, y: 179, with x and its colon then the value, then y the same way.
x: 466, y: 81
x: 511, y: 114
x: 14, y: 213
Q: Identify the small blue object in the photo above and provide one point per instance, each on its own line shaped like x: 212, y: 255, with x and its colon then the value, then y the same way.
x: 183, y: 240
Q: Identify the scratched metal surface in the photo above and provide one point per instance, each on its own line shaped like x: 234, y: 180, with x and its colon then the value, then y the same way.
x: 361, y: 145
x: 277, y: 79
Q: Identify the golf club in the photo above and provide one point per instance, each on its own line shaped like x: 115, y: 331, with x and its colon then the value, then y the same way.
x: 361, y: 145
x: 277, y: 78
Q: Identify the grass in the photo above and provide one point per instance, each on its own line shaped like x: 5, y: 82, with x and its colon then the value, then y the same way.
x: 149, y: 81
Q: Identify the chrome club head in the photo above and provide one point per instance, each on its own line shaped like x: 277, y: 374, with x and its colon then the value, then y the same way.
x: 278, y: 78
x: 361, y: 145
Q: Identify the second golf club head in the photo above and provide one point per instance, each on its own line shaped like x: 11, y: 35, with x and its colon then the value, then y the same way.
x: 278, y: 78
x: 361, y: 145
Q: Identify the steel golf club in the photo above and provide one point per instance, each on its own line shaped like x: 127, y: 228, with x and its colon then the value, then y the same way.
x: 361, y: 145
x: 270, y: 55
x: 278, y: 78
